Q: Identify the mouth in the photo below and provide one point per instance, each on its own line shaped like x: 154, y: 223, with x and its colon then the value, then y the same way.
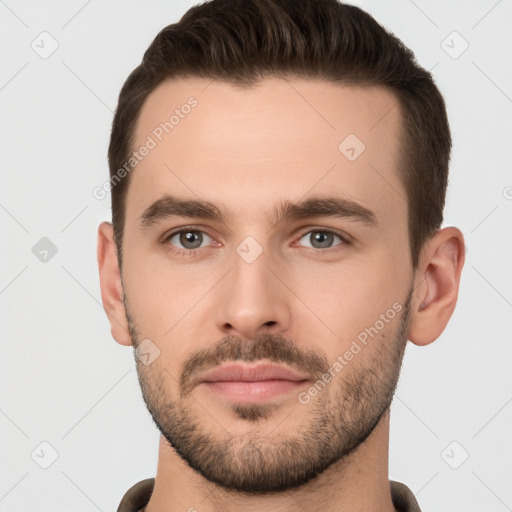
x: 253, y: 383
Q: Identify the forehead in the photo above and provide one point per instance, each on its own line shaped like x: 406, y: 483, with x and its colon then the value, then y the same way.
x: 279, y: 138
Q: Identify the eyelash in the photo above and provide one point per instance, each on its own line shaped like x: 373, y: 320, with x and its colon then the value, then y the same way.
x: 193, y: 252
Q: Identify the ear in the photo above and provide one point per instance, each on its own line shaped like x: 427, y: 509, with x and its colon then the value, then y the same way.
x: 436, y: 285
x: 111, y: 285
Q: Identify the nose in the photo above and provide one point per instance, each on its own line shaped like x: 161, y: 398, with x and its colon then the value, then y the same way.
x: 253, y: 299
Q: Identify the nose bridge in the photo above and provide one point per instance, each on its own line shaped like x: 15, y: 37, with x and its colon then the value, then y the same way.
x: 252, y: 298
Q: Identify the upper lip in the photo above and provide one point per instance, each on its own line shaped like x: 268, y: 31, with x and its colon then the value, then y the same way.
x: 237, y: 372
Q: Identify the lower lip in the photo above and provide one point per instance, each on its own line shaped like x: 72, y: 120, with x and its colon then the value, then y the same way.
x: 257, y: 391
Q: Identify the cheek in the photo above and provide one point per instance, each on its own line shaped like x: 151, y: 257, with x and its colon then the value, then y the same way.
x: 345, y: 301
x: 172, y: 308
x: 160, y: 292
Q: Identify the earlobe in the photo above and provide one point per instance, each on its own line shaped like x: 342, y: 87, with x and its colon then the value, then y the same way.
x: 436, y: 285
x: 111, y: 285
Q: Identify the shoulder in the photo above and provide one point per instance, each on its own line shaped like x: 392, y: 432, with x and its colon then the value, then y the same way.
x: 403, y: 498
x: 137, y: 496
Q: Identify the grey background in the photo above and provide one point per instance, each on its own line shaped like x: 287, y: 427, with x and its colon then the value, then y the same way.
x: 65, y: 382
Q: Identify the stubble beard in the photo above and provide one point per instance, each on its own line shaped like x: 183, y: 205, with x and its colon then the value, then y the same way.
x: 334, y: 425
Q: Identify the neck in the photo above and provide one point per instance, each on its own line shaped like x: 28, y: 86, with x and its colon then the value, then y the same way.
x: 357, y: 483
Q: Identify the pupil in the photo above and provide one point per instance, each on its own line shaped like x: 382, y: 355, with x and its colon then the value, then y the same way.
x: 323, y: 238
x: 188, y: 238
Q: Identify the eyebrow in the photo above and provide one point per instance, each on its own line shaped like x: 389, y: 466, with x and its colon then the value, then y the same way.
x: 336, y: 207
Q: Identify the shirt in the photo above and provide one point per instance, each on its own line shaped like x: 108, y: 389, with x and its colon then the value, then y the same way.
x: 137, y: 497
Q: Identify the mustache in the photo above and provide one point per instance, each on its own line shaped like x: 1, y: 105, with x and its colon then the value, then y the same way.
x: 273, y: 347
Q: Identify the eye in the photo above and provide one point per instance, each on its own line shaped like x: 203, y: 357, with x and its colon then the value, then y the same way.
x: 188, y: 239
x: 322, y: 239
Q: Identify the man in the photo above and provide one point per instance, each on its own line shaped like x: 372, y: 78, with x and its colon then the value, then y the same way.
x: 278, y: 177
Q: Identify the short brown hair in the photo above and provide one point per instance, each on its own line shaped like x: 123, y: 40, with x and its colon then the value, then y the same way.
x: 243, y: 41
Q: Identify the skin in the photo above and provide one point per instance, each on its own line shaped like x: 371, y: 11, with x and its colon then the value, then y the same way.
x: 246, y: 151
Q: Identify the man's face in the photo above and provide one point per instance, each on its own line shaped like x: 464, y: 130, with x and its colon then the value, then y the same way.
x: 281, y: 330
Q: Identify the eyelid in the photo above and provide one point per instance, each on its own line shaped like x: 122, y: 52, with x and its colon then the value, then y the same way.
x: 168, y: 235
x: 346, y: 239
x: 342, y: 234
x: 180, y: 229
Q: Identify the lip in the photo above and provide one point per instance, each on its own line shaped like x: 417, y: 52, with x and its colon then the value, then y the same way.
x: 251, y: 373
x: 252, y: 383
